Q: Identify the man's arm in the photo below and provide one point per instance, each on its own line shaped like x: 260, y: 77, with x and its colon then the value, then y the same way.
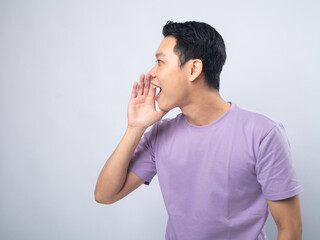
x: 287, y: 215
x: 115, y: 180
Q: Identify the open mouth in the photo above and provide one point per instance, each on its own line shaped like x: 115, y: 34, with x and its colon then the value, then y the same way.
x: 158, y: 91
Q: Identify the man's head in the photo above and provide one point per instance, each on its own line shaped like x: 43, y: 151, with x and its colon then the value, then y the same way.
x: 191, y: 55
x: 198, y: 40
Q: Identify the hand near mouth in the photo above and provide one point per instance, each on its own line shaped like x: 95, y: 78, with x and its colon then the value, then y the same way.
x: 141, y: 110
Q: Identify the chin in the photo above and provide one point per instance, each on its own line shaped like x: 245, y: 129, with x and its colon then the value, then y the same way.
x: 161, y: 108
x: 166, y: 108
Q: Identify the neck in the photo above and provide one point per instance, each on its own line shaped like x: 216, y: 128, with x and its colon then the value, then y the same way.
x: 204, y: 107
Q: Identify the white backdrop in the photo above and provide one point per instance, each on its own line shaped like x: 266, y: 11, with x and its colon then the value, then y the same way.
x: 66, y: 73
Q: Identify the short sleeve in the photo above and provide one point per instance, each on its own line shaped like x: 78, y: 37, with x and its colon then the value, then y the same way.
x: 274, y: 166
x: 142, y: 162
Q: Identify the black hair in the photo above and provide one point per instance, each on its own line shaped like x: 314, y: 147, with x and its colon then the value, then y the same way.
x: 198, y: 40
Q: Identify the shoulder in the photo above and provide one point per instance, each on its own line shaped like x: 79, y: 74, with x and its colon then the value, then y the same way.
x: 167, y: 124
x: 163, y: 126
x: 257, y: 122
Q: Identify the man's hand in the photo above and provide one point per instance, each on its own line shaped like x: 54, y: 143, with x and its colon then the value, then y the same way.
x: 287, y: 215
x: 141, y: 109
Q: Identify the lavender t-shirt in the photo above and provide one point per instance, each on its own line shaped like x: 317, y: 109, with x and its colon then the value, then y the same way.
x: 215, y: 179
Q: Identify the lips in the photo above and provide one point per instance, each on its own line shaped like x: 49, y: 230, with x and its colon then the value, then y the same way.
x: 156, y: 86
x: 157, y: 96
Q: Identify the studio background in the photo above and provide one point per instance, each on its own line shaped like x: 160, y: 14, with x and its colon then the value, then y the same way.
x: 66, y: 74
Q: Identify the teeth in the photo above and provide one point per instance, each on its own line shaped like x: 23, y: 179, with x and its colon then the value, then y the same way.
x: 154, y: 86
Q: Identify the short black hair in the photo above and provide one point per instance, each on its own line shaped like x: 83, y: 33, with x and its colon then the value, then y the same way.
x: 198, y: 40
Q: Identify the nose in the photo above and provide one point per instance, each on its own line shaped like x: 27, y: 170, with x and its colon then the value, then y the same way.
x: 153, y: 71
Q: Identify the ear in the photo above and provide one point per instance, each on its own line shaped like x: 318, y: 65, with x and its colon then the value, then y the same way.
x: 195, y: 69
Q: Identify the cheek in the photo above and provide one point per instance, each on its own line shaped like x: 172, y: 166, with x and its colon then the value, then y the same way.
x: 172, y: 83
x: 174, y: 91
x: 163, y: 74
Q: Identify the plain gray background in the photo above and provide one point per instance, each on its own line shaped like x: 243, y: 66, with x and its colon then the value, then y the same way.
x: 67, y: 69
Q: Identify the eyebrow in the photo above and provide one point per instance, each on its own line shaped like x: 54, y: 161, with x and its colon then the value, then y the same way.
x: 160, y: 54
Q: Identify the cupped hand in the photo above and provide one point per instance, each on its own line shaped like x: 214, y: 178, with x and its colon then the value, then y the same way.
x: 141, y: 108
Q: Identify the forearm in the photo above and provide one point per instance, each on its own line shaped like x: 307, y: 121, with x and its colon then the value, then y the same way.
x: 289, y: 234
x: 114, y: 172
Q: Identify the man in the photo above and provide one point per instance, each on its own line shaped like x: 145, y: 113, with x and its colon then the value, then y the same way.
x: 219, y: 166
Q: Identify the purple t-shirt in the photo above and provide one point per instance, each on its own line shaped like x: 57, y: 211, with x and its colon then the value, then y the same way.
x: 216, y: 179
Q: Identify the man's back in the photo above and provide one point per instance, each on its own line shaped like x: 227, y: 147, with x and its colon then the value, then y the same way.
x: 215, y: 179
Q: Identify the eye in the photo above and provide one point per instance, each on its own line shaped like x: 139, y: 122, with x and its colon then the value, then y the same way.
x: 158, y: 61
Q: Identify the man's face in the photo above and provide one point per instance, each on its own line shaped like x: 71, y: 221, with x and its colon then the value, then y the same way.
x: 167, y: 75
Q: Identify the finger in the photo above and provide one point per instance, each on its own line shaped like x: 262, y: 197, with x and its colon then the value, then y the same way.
x: 134, y: 90
x: 147, y: 85
x: 141, y: 84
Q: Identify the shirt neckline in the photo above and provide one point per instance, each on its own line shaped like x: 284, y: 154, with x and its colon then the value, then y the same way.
x: 206, y: 127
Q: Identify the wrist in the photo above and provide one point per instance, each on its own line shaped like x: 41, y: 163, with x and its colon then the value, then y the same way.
x: 136, y: 130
